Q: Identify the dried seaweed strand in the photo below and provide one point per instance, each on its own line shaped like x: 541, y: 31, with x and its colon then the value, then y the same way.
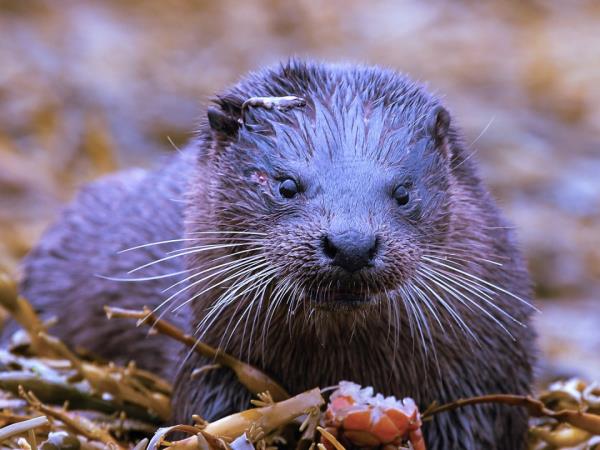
x: 22, y: 427
x: 253, y: 379
x: 267, y: 418
x: 80, y: 425
x: 331, y: 438
x: 585, y: 421
x: 103, y: 379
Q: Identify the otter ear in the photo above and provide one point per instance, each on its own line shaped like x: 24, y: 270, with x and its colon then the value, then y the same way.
x: 438, y: 126
x: 222, y: 123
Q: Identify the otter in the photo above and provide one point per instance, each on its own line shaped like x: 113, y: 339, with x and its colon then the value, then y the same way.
x: 348, y: 237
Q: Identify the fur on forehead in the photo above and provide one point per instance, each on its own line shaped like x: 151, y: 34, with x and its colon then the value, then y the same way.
x: 363, y: 108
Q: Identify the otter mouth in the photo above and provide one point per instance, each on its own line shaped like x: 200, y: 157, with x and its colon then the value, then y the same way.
x: 341, y: 300
x: 345, y: 297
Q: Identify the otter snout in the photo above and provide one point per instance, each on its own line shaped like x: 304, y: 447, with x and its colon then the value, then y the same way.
x: 350, y: 250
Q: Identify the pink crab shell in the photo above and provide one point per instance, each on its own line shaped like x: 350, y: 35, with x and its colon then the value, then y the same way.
x: 368, y: 420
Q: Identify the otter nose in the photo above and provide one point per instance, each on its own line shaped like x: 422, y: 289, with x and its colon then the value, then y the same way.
x: 351, y: 250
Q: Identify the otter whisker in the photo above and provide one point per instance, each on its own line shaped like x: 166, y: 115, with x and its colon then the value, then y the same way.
x: 264, y: 278
x: 275, y: 293
x: 247, y: 242
x: 286, y: 288
x: 480, y: 287
x: 459, y: 296
x: 238, y: 266
x: 155, y: 277
x: 213, y: 286
x: 258, y: 280
x: 471, y: 251
x: 183, y: 252
x: 481, y: 280
x: 459, y: 321
x: 466, y: 243
x: 300, y: 293
x: 256, y: 303
x: 294, y: 300
x: 256, y: 233
x: 152, y: 244
x: 225, y: 264
x: 468, y: 286
x: 241, y: 279
x: 215, y: 310
x: 418, y: 296
x: 278, y: 290
x: 262, y: 296
x: 282, y: 287
x: 259, y: 285
x: 230, y: 294
x: 228, y: 266
x: 393, y: 314
x: 417, y: 313
x: 233, y: 238
x: 233, y: 266
x: 410, y: 314
x: 432, y: 252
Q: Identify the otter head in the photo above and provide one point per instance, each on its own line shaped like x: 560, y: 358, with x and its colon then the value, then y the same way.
x: 332, y: 202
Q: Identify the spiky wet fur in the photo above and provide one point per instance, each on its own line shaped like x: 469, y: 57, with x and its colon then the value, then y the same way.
x: 445, y: 319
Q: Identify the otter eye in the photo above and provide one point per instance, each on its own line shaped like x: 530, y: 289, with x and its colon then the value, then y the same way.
x: 401, y: 195
x: 288, y: 188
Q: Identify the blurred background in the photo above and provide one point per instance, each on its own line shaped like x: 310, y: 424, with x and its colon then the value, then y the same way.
x: 88, y: 87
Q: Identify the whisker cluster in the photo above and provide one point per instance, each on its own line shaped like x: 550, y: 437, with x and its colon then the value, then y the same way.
x: 253, y: 289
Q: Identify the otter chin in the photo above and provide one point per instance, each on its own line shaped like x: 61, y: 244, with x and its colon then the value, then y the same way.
x: 326, y: 223
x: 341, y: 301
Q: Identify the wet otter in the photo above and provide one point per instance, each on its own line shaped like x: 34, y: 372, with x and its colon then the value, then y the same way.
x: 350, y: 238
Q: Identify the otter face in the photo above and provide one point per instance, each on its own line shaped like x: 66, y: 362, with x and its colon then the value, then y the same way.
x: 343, y: 193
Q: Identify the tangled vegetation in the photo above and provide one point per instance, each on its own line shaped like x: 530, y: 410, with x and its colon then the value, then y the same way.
x: 63, y: 400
